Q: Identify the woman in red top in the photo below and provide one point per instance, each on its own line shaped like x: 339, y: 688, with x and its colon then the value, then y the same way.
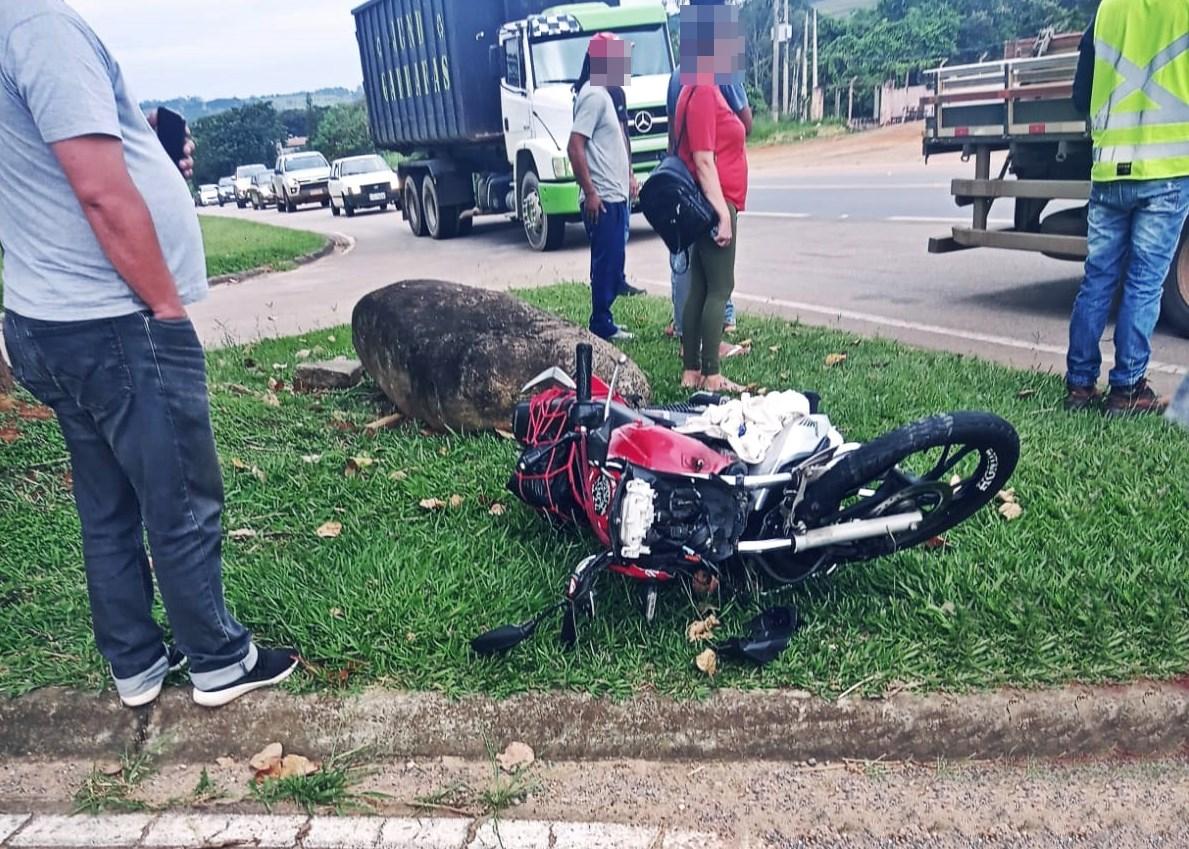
x: 712, y: 142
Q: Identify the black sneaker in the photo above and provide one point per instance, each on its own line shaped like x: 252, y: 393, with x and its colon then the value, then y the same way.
x: 630, y: 291
x: 272, y: 667
x: 177, y: 660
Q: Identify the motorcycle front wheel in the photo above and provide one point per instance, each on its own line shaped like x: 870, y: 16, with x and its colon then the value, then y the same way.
x: 948, y: 467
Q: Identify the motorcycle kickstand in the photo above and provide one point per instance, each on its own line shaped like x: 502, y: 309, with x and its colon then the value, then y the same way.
x: 651, y: 593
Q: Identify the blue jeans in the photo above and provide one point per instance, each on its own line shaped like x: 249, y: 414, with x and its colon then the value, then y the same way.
x: 680, y: 281
x: 608, y: 258
x: 130, y: 397
x: 1135, y: 230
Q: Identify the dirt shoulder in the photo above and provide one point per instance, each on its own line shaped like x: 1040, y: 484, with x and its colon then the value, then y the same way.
x: 895, y: 146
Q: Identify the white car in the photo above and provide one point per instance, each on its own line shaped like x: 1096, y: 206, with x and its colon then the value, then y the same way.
x: 207, y: 195
x: 243, y: 182
x: 362, y: 182
x: 301, y: 178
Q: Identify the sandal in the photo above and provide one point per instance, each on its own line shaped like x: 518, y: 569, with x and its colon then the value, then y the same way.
x: 718, y: 384
x: 691, y: 380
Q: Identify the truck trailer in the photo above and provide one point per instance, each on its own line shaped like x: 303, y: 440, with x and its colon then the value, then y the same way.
x: 1023, y: 104
x: 477, y: 95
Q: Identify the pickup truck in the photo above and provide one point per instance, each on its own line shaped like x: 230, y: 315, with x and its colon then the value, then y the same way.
x: 479, y: 97
x: 1023, y: 105
x: 301, y: 178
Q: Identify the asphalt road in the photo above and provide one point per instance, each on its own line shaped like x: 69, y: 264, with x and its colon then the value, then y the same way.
x: 835, y: 245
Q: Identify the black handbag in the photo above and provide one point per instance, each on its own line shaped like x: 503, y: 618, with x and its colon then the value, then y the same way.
x: 674, y: 203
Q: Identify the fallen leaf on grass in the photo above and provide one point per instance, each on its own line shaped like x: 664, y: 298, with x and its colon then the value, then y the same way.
x: 330, y: 530
x: 702, y: 630
x: 775, y: 349
x: 516, y: 757
x: 1006, y: 496
x: 311, y: 459
x: 384, y: 423
x: 456, y: 501
x: 259, y: 474
x: 936, y: 542
x: 330, y: 338
x: 1025, y: 393
x: 355, y: 465
x: 9, y: 435
x: 238, y: 464
x: 340, y: 425
x: 337, y: 613
x: 444, y: 451
x: 270, y: 399
x: 508, y: 435
x: 399, y: 475
x: 497, y: 510
x: 1011, y: 511
x: 707, y: 661
x: 303, y: 354
x: 432, y: 503
x: 835, y: 360
x: 35, y: 413
x: 242, y: 534
x: 296, y: 766
x: 279, y: 366
x: 239, y: 389
x: 266, y: 758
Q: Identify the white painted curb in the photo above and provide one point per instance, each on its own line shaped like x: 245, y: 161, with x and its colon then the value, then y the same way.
x: 197, y: 831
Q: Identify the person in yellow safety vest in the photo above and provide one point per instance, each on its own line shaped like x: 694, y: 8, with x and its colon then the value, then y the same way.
x: 1133, y: 80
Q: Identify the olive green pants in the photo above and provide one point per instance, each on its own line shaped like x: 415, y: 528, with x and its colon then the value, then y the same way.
x: 712, y: 280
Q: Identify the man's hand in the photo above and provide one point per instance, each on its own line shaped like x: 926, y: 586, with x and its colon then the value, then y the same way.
x: 635, y: 188
x: 171, y: 312
x: 186, y: 163
x: 593, y: 206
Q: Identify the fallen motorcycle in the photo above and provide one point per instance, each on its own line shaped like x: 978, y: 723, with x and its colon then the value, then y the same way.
x: 670, y: 506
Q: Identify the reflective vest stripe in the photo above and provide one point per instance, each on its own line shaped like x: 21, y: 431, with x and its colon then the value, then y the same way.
x: 1142, y: 152
x: 1172, y: 109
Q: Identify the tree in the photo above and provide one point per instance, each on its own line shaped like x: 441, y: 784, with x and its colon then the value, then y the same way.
x: 344, y: 131
x: 241, y: 136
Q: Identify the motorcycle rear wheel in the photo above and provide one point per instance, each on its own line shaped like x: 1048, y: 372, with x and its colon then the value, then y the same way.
x: 949, y: 467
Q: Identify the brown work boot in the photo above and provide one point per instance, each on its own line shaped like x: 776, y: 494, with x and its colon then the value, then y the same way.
x: 1081, y: 398
x: 1136, y: 400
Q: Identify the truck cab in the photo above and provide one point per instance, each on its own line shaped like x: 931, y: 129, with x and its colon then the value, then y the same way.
x: 540, y: 59
x: 479, y: 98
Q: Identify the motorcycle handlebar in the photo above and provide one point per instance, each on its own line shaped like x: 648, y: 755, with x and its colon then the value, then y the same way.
x: 584, y: 373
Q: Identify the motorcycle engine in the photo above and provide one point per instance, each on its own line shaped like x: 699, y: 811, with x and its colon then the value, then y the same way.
x: 662, y: 520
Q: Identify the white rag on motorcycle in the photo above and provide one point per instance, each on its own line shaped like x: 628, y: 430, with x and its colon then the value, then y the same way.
x: 751, y: 424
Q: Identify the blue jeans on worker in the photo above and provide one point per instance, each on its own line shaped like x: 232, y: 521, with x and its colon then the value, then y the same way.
x: 131, y: 401
x: 680, y: 283
x: 1135, y: 230
x: 608, y: 258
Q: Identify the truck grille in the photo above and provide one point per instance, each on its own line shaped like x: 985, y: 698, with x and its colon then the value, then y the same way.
x: 653, y: 121
x: 650, y: 157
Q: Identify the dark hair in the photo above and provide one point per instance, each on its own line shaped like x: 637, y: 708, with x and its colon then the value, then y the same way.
x: 583, y: 75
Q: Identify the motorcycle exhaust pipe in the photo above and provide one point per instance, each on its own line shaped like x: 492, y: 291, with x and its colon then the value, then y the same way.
x: 837, y: 534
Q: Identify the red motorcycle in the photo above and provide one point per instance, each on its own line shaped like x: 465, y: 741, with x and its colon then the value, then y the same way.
x: 669, y: 506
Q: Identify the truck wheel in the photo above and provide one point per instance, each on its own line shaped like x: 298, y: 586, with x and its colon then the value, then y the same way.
x: 1176, y: 290
x: 544, y: 232
x: 349, y: 209
x: 281, y: 204
x: 441, y: 222
x: 413, y: 207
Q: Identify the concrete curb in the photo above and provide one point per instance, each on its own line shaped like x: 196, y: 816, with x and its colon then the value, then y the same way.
x: 1145, y: 718
x: 335, y: 242
x: 183, y: 831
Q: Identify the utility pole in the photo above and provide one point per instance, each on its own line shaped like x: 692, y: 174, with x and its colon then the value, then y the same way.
x: 817, y: 103
x: 803, y: 111
x: 775, y: 60
x: 850, y: 102
x: 788, y: 53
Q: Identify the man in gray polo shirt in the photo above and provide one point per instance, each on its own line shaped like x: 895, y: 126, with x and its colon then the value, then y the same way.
x: 102, y: 254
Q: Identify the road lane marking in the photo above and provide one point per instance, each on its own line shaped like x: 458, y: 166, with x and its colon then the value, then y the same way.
x: 920, y: 327
x: 794, y: 215
x: 843, y: 187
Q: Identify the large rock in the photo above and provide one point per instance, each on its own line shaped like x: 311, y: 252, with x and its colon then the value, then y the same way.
x: 456, y: 357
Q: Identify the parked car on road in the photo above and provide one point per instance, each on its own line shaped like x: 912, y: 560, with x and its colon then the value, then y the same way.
x: 243, y: 182
x: 207, y: 195
x: 301, y: 178
x: 226, y: 190
x: 260, y: 193
x: 362, y: 182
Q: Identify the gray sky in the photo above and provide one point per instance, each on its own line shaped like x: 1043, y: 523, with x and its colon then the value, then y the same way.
x: 228, y: 48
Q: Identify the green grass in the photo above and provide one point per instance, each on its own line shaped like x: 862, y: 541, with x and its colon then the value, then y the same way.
x: 1091, y: 584
x: 766, y: 133
x: 331, y: 786
x: 233, y: 246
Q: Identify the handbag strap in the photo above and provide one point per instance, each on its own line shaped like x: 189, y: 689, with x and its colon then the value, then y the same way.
x: 684, y: 124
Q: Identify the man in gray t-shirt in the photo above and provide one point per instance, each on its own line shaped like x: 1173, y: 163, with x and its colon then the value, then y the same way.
x: 102, y: 254
x: 601, y: 157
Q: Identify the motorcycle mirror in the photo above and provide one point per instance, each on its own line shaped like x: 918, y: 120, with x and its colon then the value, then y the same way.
x: 503, y: 639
